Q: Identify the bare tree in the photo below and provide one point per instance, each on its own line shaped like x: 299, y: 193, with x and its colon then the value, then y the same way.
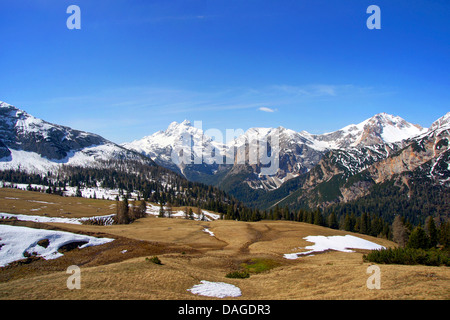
x: 169, y: 210
x: 139, y: 209
x: 122, y: 216
x: 399, y: 231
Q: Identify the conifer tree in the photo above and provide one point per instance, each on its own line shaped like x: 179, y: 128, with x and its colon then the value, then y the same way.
x: 318, y: 219
x: 332, y: 221
x: 432, y: 231
x: 310, y: 217
x: 169, y: 210
x: 418, y: 239
x: 162, y: 213
x: 444, y: 234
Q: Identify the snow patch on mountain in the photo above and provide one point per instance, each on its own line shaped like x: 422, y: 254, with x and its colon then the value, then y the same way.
x: 37, y: 146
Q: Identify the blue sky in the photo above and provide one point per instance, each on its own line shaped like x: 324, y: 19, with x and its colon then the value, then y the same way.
x: 136, y: 66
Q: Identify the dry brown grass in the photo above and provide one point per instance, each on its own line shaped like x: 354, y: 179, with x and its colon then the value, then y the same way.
x: 37, y: 203
x: 189, y: 255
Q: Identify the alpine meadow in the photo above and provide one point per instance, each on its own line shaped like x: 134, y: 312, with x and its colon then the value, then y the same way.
x: 225, y: 158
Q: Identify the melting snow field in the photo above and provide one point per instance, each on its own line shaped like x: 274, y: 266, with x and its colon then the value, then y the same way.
x: 338, y: 243
x: 44, y: 219
x: 208, y: 216
x: 215, y: 289
x: 15, y: 241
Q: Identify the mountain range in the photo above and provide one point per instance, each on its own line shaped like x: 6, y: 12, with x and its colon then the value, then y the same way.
x: 299, y: 152
x: 313, y: 170
x: 38, y: 146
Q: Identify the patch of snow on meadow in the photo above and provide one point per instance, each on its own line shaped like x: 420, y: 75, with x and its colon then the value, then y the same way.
x: 44, y: 219
x: 215, y: 289
x: 338, y: 243
x: 16, y: 241
x: 207, y: 216
x: 209, y: 231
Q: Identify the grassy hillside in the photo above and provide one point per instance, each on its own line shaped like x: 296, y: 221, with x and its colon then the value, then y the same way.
x: 120, y: 270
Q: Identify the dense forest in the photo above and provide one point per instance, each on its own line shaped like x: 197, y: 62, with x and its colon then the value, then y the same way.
x: 414, y: 202
x: 152, y: 183
x: 373, y: 214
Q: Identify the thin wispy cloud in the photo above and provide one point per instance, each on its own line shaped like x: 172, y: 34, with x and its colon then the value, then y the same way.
x: 266, y: 109
x: 317, y: 90
x: 142, y: 105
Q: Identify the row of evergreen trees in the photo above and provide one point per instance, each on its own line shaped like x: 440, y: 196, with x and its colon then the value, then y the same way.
x: 159, y: 185
x: 427, y: 245
x: 152, y: 183
x: 431, y: 235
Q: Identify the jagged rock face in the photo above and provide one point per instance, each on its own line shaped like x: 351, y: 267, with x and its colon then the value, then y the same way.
x: 427, y: 155
x: 335, y: 168
x: 37, y: 146
x: 5, y: 153
x: 344, y: 175
x: 177, y: 139
x: 299, y: 152
x: 296, y: 156
x: 381, y: 128
x: 21, y: 131
x: 429, y: 147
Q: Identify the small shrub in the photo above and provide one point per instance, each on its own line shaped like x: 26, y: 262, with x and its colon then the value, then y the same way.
x: 238, y: 274
x: 154, y: 260
x: 258, y: 265
x: 409, y: 256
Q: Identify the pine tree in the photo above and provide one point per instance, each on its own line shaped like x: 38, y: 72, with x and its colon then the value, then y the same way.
x: 300, y: 215
x: 332, y: 221
x: 310, y: 217
x: 230, y: 212
x: 347, y: 224
x: 418, y: 239
x: 432, y: 231
x: 285, y: 214
x: 318, y: 219
x: 444, y: 234
x: 78, y: 192
x: 363, y: 225
x: 169, y: 210
x: 161, y: 210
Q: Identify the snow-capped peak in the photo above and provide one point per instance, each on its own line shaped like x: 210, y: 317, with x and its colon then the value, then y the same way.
x: 174, y: 124
x: 159, y: 146
x: 442, y: 122
x: 4, y: 104
x: 36, y: 145
x: 381, y: 128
